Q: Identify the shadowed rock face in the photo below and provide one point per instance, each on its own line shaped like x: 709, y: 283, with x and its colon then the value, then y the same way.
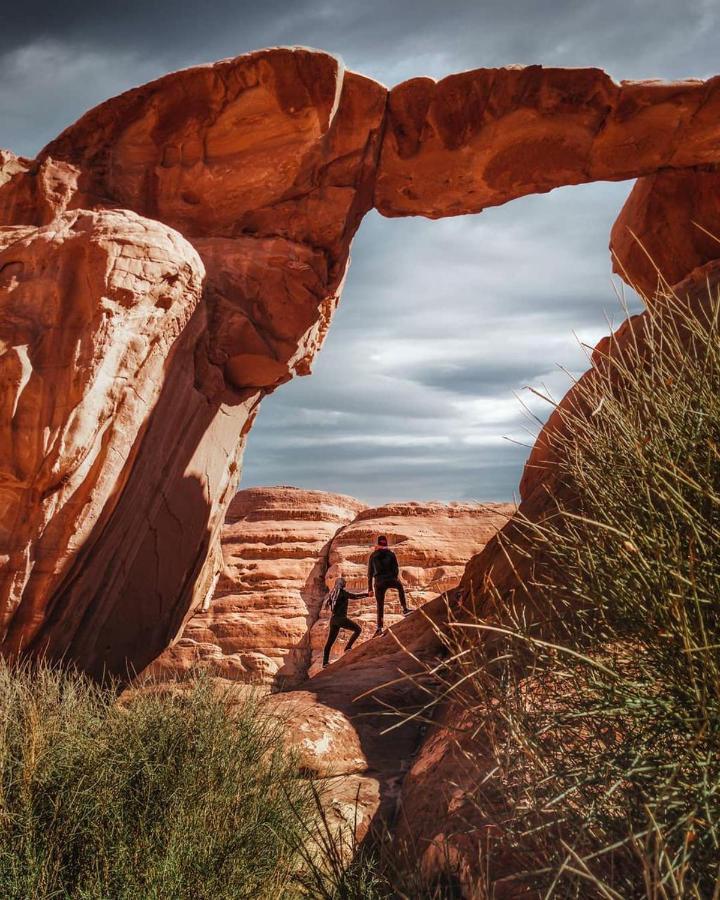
x: 282, y: 549
x: 196, y: 232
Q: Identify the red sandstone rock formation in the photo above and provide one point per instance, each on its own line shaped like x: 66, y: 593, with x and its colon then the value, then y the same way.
x: 266, y: 164
x: 481, y: 138
x: 432, y: 541
x: 669, y: 226
x: 438, y: 810
x: 275, y: 545
x: 190, y: 238
x: 282, y: 547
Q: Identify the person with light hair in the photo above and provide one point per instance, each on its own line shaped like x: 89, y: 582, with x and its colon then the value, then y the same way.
x: 337, y: 601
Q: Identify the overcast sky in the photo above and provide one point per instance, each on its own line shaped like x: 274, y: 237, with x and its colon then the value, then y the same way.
x: 442, y: 324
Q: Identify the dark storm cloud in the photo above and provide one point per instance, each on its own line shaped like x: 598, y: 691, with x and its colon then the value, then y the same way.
x: 477, y: 378
x: 494, y: 32
x: 442, y: 323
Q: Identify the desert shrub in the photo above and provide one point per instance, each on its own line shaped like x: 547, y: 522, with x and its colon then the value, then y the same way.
x: 595, y: 696
x: 165, y: 796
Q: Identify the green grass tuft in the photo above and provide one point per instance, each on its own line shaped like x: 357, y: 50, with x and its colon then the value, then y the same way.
x: 166, y: 796
x: 599, y: 704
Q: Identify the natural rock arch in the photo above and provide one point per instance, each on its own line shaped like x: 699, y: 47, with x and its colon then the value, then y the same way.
x: 178, y: 253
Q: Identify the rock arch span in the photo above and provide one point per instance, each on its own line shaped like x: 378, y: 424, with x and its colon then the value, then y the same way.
x: 178, y: 253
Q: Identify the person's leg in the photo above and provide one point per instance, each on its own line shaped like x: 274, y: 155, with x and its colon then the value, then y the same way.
x: 333, y: 632
x: 401, y: 594
x: 380, y: 590
x: 356, y: 629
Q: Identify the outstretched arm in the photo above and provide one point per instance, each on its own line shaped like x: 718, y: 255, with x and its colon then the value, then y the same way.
x: 357, y: 596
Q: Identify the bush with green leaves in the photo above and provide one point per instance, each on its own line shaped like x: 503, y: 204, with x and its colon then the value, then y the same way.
x: 164, y: 796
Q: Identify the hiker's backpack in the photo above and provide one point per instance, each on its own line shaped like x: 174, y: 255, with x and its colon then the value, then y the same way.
x: 385, y: 564
x: 333, y: 598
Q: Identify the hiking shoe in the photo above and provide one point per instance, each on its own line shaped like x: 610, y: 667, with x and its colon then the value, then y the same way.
x: 407, y: 611
x: 379, y: 631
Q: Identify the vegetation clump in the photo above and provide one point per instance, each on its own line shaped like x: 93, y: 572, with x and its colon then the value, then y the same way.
x: 595, y: 696
x: 166, y: 795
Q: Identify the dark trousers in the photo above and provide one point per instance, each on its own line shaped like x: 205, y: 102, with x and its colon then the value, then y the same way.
x: 336, y: 623
x: 381, y: 588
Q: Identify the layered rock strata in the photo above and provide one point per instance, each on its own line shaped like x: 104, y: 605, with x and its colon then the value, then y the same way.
x: 275, y: 546
x: 432, y: 542
x: 282, y: 549
x: 178, y: 253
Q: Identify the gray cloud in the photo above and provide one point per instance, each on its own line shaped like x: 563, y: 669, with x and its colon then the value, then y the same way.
x: 442, y: 322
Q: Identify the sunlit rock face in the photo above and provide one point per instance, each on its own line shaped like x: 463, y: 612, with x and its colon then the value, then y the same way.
x: 432, y: 542
x: 191, y: 237
x: 283, y: 548
x: 168, y: 260
x: 177, y: 254
x: 483, y: 137
x: 94, y: 307
x: 275, y: 545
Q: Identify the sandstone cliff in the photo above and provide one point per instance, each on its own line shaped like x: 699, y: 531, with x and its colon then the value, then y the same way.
x: 283, y: 547
x: 265, y: 164
x: 255, y: 628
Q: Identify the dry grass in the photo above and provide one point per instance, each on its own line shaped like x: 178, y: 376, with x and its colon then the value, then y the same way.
x: 593, y: 689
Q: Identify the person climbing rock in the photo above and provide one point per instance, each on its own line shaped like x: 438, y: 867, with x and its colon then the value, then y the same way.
x: 384, y: 572
x: 337, y: 601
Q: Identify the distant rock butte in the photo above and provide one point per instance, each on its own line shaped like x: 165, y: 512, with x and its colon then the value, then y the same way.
x: 283, y: 547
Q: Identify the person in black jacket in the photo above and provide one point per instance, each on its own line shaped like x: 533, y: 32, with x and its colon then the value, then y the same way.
x: 384, y: 571
x: 338, y: 602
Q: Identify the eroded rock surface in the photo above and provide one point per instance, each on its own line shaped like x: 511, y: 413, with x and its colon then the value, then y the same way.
x: 275, y: 545
x: 93, y: 307
x: 265, y: 163
x: 283, y: 547
x: 439, y: 817
x: 432, y: 541
x: 483, y: 137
